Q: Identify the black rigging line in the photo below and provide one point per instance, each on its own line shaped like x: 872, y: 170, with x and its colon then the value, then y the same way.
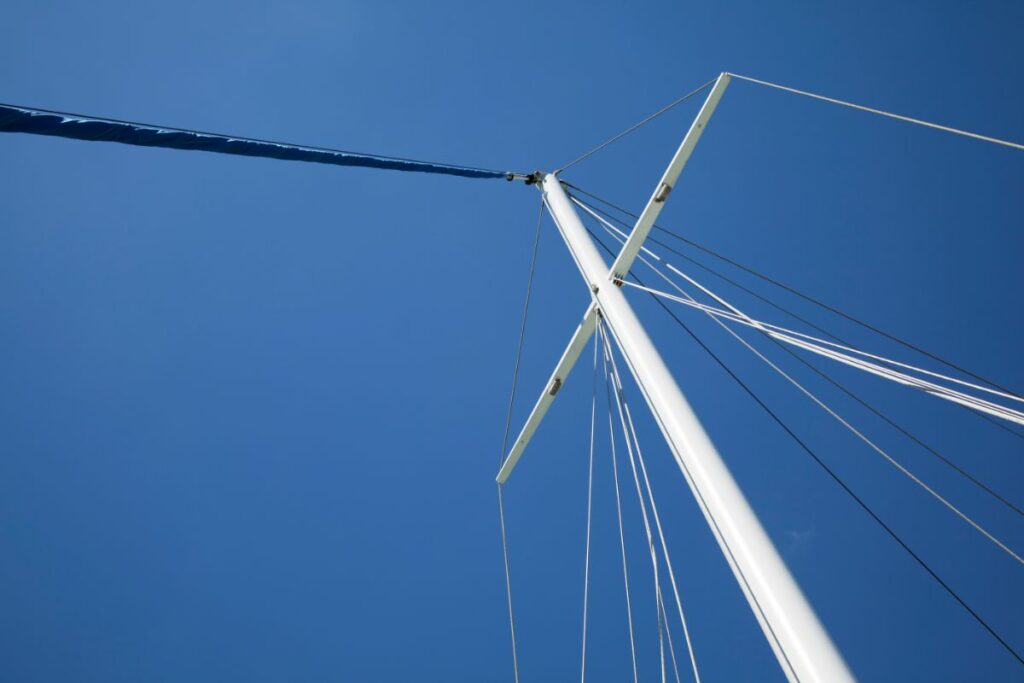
x: 829, y: 378
x: 835, y: 477
x: 991, y: 420
x: 504, y: 439
x: 802, y: 295
x: 629, y: 130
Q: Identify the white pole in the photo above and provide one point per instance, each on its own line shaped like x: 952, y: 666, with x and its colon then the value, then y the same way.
x: 803, y: 647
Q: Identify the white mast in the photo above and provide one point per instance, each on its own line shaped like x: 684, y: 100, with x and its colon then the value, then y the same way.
x: 803, y: 647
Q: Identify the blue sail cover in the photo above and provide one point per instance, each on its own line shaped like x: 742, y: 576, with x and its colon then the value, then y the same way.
x: 41, y: 122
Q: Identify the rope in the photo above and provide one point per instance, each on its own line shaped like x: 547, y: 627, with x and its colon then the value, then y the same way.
x: 671, y: 648
x: 815, y: 345
x: 871, y: 110
x: 827, y: 377
x: 821, y: 404
x: 618, y: 507
x: 617, y: 393
x: 796, y: 292
x: 628, y: 421
x: 590, y: 492
x: 997, y: 423
x: 504, y: 439
x: 828, y: 470
x: 899, y: 377
x: 629, y: 130
x: 508, y: 584
x: 742, y: 317
x: 981, y: 485
x: 17, y: 119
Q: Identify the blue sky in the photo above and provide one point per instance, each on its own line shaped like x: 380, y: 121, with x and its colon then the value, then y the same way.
x: 251, y: 410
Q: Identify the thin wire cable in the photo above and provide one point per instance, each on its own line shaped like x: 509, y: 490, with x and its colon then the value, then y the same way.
x: 871, y: 444
x: 630, y: 428
x: 590, y: 495
x: 617, y: 390
x: 867, y: 366
x: 504, y: 440
x: 824, y: 466
x: 671, y: 648
x: 872, y: 110
x: 817, y: 344
x: 987, y: 418
x: 629, y: 130
x: 846, y: 390
x: 798, y: 293
x: 821, y: 404
x: 618, y: 510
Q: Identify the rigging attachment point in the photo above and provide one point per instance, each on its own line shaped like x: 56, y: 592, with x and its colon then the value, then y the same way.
x: 662, y: 193
x: 533, y: 178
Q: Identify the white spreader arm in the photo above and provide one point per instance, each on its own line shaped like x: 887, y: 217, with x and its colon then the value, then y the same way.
x: 618, y: 270
x: 572, y: 352
x: 643, y: 226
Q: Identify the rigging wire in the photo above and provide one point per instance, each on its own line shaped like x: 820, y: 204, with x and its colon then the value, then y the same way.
x: 798, y: 293
x: 829, y: 378
x: 617, y: 393
x: 871, y: 110
x: 818, y: 346
x: 824, y: 466
x: 860, y: 435
x: 636, y: 125
x: 790, y: 337
x: 821, y: 404
x: 618, y: 511
x: 671, y: 647
x: 987, y: 418
x: 590, y: 496
x: 630, y: 433
x: 504, y: 439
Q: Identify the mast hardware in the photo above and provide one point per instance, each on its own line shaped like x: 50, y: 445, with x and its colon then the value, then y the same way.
x: 662, y: 193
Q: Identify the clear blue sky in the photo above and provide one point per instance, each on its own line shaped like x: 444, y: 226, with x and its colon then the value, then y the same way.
x: 250, y: 410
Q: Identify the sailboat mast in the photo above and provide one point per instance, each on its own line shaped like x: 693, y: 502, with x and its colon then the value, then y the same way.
x: 800, y: 642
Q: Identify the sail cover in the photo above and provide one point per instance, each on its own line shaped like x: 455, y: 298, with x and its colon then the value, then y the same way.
x: 15, y: 119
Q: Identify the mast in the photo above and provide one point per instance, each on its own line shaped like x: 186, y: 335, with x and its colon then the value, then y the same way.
x: 800, y: 642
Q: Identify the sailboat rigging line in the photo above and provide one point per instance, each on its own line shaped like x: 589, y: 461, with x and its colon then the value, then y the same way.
x: 671, y: 647
x: 638, y: 124
x: 508, y: 583
x: 871, y: 444
x: 617, y: 391
x: 845, y: 390
x: 590, y: 498
x: 504, y: 439
x: 790, y: 337
x: 871, y: 110
x: 630, y: 428
x: 829, y: 378
x: 739, y: 314
x: 821, y: 463
x: 18, y: 119
x: 818, y: 346
x: 987, y: 418
x: 792, y: 290
x: 900, y: 429
x: 618, y: 505
x: 991, y: 420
